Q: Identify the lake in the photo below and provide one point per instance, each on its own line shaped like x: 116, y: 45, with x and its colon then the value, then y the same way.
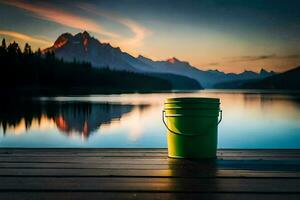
x: 251, y: 119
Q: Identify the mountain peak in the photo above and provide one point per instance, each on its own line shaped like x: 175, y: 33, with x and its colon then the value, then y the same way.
x: 141, y: 57
x: 83, y: 38
x: 248, y: 72
x: 62, y: 40
x: 86, y: 34
x: 215, y: 71
x: 67, y: 34
x: 86, y: 37
x: 84, y: 47
x: 263, y: 71
x: 172, y: 60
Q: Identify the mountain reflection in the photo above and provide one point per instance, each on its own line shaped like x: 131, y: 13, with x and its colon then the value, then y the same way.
x: 81, y: 118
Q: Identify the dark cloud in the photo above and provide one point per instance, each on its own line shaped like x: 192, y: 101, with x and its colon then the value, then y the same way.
x: 261, y: 57
x: 292, y: 56
x: 213, y: 64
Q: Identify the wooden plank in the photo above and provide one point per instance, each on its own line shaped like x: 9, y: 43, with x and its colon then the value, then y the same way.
x: 127, y: 159
x: 86, y: 149
x: 163, y: 173
x: 145, y: 159
x: 8, y: 157
x: 133, y: 150
x: 224, y: 152
x: 144, y: 156
x: 142, y: 195
x: 98, y: 154
x: 237, y: 165
x: 132, y: 173
x: 283, y: 185
x: 81, y: 150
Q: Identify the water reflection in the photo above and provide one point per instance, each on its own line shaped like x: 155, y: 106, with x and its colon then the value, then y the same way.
x: 81, y: 118
x: 252, y: 119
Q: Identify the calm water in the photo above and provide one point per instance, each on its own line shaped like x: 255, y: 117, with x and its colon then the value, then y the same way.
x: 251, y: 119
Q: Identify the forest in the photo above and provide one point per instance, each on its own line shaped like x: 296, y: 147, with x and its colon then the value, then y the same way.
x: 26, y: 71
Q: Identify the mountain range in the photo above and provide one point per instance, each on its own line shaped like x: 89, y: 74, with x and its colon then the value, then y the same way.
x: 286, y: 80
x: 83, y: 47
x: 208, y: 79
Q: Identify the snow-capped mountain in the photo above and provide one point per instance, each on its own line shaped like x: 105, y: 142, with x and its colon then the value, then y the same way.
x: 83, y: 47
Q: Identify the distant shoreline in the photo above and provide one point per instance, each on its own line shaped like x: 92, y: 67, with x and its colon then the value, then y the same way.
x: 33, y: 91
x: 23, y: 92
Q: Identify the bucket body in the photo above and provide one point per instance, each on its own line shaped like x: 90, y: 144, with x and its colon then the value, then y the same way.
x: 192, y: 125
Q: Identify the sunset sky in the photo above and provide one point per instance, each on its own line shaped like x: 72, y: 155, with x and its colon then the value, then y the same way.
x: 228, y: 35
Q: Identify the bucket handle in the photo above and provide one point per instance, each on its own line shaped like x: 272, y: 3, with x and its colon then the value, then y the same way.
x: 163, y: 119
x: 221, y: 117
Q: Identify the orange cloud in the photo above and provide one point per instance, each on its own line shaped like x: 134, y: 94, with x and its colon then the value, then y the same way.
x: 60, y: 16
x: 24, y: 37
x: 140, y: 32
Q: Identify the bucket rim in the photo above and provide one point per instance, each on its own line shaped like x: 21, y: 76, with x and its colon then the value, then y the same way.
x: 191, y: 108
x: 192, y: 100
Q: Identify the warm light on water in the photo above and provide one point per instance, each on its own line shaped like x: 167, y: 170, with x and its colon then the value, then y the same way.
x: 251, y: 119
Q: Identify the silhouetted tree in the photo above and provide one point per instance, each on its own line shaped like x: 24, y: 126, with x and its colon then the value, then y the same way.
x: 27, y: 49
x: 3, y: 44
x: 38, y: 52
x: 13, y: 49
x: 3, y: 49
x: 42, y: 70
x: 50, y: 56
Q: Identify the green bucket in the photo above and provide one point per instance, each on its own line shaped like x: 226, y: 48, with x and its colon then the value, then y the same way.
x: 192, y: 125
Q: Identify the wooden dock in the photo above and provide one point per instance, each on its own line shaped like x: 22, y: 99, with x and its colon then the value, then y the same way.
x: 147, y: 174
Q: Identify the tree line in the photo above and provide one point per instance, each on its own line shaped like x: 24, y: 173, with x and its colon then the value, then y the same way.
x: 25, y: 70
